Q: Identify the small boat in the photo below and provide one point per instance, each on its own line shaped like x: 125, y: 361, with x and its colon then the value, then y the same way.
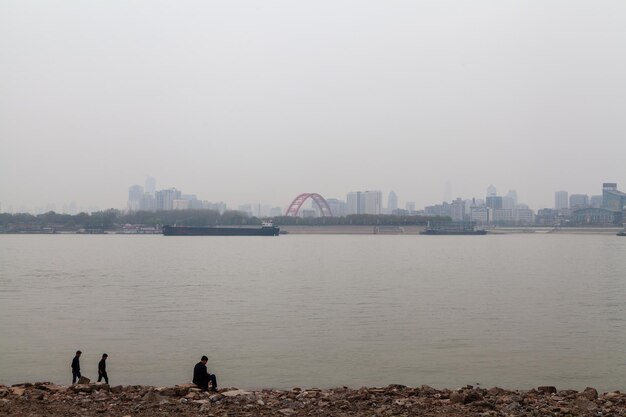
x: 622, y: 233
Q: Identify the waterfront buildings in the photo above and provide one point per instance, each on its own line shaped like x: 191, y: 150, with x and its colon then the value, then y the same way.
x: 612, y: 198
x: 364, y: 202
x: 596, y: 217
x: 560, y: 200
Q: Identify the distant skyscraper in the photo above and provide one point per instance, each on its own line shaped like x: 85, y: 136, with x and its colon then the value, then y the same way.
x: 135, y: 193
x: 612, y: 198
x: 560, y: 200
x: 354, y: 203
x: 491, y: 190
x: 494, y: 202
x: 165, y: 199
x: 392, y: 201
x: 410, y: 206
x: 372, y: 202
x: 150, y: 185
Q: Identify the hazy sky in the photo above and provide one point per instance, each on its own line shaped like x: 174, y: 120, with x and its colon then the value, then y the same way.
x: 248, y: 101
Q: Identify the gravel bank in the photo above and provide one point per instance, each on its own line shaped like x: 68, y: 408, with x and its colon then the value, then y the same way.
x: 47, y: 399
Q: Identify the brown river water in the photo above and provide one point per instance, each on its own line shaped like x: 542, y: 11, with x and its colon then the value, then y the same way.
x: 310, y: 310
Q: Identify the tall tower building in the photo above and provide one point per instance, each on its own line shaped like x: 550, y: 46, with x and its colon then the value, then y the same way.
x: 165, y: 199
x: 354, y: 203
x: 392, y: 201
x: 491, y: 190
x: 372, y: 202
x: 150, y: 185
x: 135, y: 193
x: 560, y: 200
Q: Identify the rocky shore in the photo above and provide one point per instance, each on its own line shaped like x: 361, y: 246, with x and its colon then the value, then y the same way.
x: 47, y: 399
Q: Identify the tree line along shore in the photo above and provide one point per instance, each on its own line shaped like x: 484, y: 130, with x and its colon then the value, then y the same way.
x: 48, y: 399
x: 115, y: 220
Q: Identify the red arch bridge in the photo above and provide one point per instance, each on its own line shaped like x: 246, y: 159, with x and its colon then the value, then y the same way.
x: 297, y: 202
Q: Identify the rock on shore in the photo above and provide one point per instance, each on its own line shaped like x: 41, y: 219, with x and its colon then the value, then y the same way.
x: 47, y: 399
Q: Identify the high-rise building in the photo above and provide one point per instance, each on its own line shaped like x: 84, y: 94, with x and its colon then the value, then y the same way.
x: 354, y: 203
x: 392, y: 201
x: 372, y: 202
x: 165, y: 199
x: 135, y: 193
x: 578, y: 201
x: 612, y: 198
x: 491, y: 190
x: 494, y: 201
x: 150, y: 185
x: 560, y: 200
x: 410, y: 206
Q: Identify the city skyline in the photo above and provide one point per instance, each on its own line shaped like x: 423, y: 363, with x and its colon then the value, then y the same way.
x: 71, y: 207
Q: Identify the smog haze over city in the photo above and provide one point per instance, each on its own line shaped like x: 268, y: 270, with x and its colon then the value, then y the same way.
x: 247, y: 101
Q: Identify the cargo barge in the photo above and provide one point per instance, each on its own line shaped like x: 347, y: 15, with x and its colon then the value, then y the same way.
x: 267, y: 229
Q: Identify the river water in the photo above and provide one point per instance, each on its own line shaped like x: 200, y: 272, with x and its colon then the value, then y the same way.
x: 309, y: 310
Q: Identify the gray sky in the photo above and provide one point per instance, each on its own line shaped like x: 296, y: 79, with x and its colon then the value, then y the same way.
x: 247, y: 101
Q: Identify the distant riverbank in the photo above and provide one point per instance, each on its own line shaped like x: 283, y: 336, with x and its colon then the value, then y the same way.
x: 414, y: 230
x: 183, y: 400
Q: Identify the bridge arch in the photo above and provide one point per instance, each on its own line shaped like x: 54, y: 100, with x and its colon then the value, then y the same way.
x: 297, y: 202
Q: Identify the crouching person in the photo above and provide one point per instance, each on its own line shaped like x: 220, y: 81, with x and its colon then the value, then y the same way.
x: 202, y: 377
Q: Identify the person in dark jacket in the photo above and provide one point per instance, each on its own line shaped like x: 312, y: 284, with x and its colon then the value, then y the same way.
x: 201, y: 376
x: 102, y: 369
x: 76, y: 367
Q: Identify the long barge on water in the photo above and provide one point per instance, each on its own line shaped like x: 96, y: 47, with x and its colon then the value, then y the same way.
x: 266, y: 229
